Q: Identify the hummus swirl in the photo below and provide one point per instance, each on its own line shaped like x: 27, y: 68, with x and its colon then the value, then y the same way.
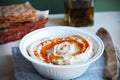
x: 62, y: 51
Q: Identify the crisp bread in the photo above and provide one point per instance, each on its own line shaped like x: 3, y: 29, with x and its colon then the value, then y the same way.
x: 17, y: 13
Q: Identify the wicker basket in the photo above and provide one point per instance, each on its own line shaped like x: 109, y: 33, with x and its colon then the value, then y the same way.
x: 18, y: 32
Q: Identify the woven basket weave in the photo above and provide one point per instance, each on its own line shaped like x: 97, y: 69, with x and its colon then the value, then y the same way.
x: 18, y: 32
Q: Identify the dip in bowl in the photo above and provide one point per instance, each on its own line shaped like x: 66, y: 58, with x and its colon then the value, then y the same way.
x: 61, y: 52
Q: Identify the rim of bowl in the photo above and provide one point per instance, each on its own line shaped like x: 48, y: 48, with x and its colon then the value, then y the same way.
x: 93, y: 36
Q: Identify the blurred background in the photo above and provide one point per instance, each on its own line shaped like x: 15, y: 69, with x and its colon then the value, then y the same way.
x: 56, y: 6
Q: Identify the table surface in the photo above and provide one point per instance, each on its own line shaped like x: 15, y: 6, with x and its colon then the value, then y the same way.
x: 109, y: 20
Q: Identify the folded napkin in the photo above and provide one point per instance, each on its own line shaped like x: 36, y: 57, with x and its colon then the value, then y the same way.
x: 24, y: 70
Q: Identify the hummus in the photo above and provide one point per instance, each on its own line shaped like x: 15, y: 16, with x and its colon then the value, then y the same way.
x: 62, y: 50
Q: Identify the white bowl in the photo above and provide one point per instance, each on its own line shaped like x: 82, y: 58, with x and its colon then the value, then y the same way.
x: 57, y: 71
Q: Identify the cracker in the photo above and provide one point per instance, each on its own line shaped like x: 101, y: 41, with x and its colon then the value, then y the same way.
x: 18, y: 13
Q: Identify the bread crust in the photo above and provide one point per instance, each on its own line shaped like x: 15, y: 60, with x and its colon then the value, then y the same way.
x: 17, y: 13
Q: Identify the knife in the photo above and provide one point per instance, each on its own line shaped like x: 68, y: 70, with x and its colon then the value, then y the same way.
x: 112, y: 67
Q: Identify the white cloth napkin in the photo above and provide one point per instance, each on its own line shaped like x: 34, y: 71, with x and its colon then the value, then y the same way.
x: 41, y: 14
x: 24, y: 70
